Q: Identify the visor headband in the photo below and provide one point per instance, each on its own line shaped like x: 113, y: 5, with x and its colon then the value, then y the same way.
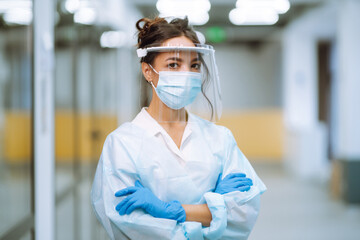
x: 142, y: 52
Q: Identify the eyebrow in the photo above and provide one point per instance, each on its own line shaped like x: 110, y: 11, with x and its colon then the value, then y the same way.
x: 180, y: 59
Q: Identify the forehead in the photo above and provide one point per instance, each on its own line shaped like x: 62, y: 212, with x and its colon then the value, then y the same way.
x: 179, y: 55
x: 179, y: 41
x: 183, y: 55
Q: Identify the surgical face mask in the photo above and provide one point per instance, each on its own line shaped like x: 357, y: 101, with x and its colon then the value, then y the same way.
x: 177, y: 89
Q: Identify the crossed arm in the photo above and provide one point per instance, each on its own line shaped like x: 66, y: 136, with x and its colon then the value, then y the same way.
x: 198, y: 213
x: 141, y: 197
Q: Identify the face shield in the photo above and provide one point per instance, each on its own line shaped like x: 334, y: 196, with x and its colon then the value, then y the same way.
x: 185, y: 77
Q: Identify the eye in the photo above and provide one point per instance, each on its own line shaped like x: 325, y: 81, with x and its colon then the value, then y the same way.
x: 196, y: 66
x: 173, y: 65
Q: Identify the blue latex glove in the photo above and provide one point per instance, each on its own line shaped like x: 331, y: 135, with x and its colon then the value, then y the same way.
x: 233, y: 182
x: 141, y: 197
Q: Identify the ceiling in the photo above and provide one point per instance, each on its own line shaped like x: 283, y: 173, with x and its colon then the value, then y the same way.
x: 219, y: 17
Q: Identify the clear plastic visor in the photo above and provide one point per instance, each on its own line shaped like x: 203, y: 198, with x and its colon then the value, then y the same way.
x: 185, y: 78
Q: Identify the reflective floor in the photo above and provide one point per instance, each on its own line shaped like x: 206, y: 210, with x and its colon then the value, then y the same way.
x: 290, y: 209
x: 75, y: 219
x: 294, y: 209
x: 15, y: 204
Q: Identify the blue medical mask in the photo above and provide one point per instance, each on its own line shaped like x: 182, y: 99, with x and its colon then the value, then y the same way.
x: 177, y: 89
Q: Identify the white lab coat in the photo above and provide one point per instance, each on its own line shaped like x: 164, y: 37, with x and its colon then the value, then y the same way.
x: 142, y: 150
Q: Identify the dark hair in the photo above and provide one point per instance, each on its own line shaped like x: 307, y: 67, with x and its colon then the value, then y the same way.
x: 154, y: 32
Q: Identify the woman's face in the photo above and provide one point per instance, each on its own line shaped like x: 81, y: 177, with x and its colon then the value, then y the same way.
x: 184, y: 61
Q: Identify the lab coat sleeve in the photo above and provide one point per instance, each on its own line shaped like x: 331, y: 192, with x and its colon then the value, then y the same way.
x: 234, y: 214
x: 116, y: 171
x: 242, y: 207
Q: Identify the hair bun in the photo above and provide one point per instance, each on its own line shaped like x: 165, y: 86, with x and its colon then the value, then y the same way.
x: 154, y: 32
x: 147, y: 24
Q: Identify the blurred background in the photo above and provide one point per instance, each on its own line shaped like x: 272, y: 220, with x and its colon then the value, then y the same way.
x: 290, y: 80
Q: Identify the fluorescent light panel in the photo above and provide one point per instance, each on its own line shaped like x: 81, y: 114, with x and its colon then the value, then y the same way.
x: 20, y: 16
x: 17, y: 12
x: 249, y: 16
x: 72, y: 5
x: 86, y: 16
x: 7, y: 5
x: 258, y: 12
x: 280, y: 6
x: 195, y: 10
x: 113, y: 39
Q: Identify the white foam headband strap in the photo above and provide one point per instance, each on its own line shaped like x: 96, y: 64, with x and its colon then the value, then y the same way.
x: 142, y: 52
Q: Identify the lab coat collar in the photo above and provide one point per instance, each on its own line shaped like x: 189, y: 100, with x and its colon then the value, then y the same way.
x: 148, y: 123
x: 145, y: 121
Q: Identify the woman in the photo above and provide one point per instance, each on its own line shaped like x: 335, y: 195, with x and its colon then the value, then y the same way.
x: 170, y: 174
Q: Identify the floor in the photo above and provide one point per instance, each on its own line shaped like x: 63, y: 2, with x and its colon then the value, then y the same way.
x: 291, y: 209
x: 295, y: 209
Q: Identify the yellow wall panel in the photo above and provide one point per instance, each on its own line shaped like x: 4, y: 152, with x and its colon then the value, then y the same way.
x: 259, y: 133
x: 84, y: 137
x: 64, y: 136
x: 104, y: 125
x: 81, y: 136
x: 86, y: 143
x: 17, y: 136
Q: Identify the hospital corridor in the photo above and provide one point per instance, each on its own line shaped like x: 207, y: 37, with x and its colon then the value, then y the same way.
x: 104, y: 136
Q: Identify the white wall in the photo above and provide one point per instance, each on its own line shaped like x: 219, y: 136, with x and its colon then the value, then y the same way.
x: 3, y: 79
x: 107, y: 80
x: 250, y: 77
x: 123, y: 16
x: 128, y: 88
x: 348, y: 97
x: 305, y: 135
x: 64, y: 78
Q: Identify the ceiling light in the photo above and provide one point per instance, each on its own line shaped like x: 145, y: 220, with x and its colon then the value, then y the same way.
x: 85, y: 16
x: 280, y: 6
x: 113, y: 39
x: 21, y: 16
x: 182, y: 5
x: 6, y: 5
x: 195, y: 10
x: 198, y: 18
x: 72, y: 5
x: 252, y: 16
x: 194, y: 17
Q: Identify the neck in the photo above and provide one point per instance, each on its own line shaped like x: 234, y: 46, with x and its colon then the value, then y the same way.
x: 163, y: 114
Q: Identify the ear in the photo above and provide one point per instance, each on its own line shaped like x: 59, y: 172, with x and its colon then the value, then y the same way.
x: 147, y: 71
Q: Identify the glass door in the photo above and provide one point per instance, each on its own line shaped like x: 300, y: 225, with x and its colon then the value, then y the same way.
x: 16, y: 113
